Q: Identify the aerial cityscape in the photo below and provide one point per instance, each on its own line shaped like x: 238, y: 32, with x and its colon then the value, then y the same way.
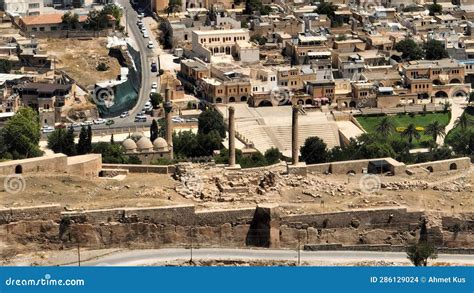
x: 236, y: 133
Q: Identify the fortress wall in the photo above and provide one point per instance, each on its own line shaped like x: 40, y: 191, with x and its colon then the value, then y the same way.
x: 169, y: 169
x: 178, y: 226
x: 33, y: 213
x: 52, y: 163
x: 445, y: 165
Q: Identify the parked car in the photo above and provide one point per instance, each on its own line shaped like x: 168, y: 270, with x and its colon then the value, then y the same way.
x: 145, y: 35
x: 100, y: 121
x: 192, y: 120
x: 150, y: 45
x: 154, y: 68
x: 86, y: 123
x: 154, y: 85
x: 124, y: 114
x: 177, y: 119
x: 140, y: 119
x: 47, y: 129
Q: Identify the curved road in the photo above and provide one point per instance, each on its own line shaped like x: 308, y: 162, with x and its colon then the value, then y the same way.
x: 147, y: 56
x: 156, y: 256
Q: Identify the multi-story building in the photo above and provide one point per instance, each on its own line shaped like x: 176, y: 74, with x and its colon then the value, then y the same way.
x: 206, y: 44
x: 434, y: 79
x: 305, y: 49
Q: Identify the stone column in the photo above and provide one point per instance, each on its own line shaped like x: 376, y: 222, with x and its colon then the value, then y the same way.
x: 294, y: 136
x: 231, y: 136
x: 168, y: 106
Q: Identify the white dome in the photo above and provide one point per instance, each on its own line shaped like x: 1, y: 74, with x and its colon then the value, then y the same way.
x: 129, y: 145
x: 144, y: 144
x: 160, y: 144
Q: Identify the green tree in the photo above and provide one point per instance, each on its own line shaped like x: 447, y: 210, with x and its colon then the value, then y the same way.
x: 385, y: 127
x: 435, y: 8
x: 84, y: 144
x: 420, y: 252
x: 5, y: 66
x: 210, y: 120
x: 314, y: 150
x: 435, y: 129
x: 153, y: 130
x: 208, y: 143
x: 62, y: 141
x: 435, y: 50
x: 156, y: 100
x: 166, y: 36
x: 329, y: 9
x: 71, y: 20
x: 471, y: 98
x: 409, y: 49
x: 111, y: 153
x: 411, y: 133
x: 173, y: 6
x: 462, y: 121
x: 272, y: 155
x: 21, y: 134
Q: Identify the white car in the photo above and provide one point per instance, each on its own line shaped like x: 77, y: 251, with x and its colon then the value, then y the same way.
x: 154, y: 85
x: 150, y: 45
x: 143, y: 29
x: 145, y: 35
x: 47, y: 129
x: 124, y: 114
x: 177, y: 119
x: 100, y: 121
x: 88, y: 122
x: 152, y: 91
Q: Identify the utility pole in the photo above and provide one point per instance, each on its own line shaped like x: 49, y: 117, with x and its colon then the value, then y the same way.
x: 299, y: 250
x: 78, y: 254
x: 191, y: 248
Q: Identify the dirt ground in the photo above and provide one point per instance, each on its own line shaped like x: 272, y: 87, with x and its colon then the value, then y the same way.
x: 79, y: 59
x: 440, y: 192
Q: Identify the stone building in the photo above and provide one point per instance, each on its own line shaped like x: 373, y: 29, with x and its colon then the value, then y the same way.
x: 146, y: 150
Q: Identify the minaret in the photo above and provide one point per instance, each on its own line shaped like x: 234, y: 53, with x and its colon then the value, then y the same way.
x: 294, y: 136
x: 231, y: 136
x: 169, y: 126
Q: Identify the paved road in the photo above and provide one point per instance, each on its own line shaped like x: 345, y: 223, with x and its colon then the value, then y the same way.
x: 147, y: 56
x: 153, y: 256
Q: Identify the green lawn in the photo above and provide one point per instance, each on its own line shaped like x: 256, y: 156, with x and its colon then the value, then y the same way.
x: 369, y: 123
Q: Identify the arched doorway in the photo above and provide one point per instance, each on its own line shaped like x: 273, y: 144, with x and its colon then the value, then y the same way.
x: 309, y: 102
x: 455, y: 80
x: 300, y: 102
x: 18, y: 169
x: 219, y: 100
x: 231, y: 100
x: 352, y: 104
x: 265, y: 103
x: 441, y: 94
x: 243, y: 99
x: 227, y: 50
x: 453, y: 166
x: 437, y: 82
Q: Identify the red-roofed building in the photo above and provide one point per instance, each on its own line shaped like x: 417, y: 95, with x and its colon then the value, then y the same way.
x: 52, y: 25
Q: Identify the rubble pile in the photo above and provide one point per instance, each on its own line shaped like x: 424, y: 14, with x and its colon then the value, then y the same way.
x: 405, y: 185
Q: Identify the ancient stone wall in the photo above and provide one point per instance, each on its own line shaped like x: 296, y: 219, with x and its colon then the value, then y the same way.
x: 261, y: 226
x: 143, y: 168
x: 34, y: 213
x: 52, y: 163
x: 445, y: 165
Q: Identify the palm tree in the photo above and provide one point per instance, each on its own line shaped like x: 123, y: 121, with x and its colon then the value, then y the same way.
x: 462, y: 121
x: 385, y: 127
x: 411, y: 133
x: 435, y: 129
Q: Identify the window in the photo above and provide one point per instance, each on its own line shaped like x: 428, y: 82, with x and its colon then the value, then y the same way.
x: 54, y: 28
x: 42, y: 29
x: 33, y: 5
